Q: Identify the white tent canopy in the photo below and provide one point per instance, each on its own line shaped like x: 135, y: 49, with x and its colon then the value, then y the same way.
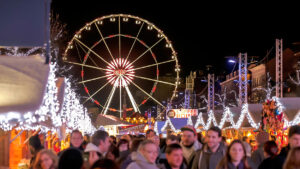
x: 22, y: 83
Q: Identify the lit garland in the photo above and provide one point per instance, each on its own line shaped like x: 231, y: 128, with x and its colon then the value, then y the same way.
x: 211, y: 118
x: 227, y: 116
x: 245, y: 112
x: 155, y: 127
x: 294, y: 122
x: 168, y: 121
x: 199, y: 121
x: 190, y: 122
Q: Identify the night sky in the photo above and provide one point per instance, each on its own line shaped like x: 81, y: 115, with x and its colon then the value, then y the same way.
x: 202, y: 34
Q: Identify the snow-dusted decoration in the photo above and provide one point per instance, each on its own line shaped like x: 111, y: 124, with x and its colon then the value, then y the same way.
x: 17, y: 52
x: 73, y: 114
x: 50, y: 104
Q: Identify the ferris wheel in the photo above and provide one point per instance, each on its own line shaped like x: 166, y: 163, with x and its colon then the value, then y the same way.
x: 124, y: 62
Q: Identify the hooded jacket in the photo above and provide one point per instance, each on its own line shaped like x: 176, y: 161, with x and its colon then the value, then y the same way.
x: 139, y: 162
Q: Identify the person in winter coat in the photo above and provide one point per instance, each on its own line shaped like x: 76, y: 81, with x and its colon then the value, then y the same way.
x: 235, y: 157
x: 133, y: 152
x: 189, y: 143
x: 258, y: 155
x: 174, y: 158
x: 145, y: 157
x: 213, y: 151
x: 270, y: 152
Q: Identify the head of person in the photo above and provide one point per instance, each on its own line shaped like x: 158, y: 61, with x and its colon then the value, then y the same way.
x: 70, y: 158
x: 294, y: 136
x: 150, y: 133
x: 123, y: 145
x: 213, y: 137
x: 270, y: 149
x: 86, y: 138
x: 112, y: 139
x: 246, y: 139
x: 174, y: 155
x: 155, y: 139
x: 126, y: 137
x: 149, y: 150
x: 262, y: 137
x: 113, y: 152
x: 135, y: 144
x: 235, y: 154
x: 35, y: 144
x: 105, y: 164
x: 101, y: 140
x: 46, y: 159
x: 172, y: 139
x: 76, y: 138
x: 189, y: 136
x: 293, y: 159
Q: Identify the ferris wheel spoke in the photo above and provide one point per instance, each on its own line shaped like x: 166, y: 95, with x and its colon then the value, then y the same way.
x: 112, y: 92
x: 120, y: 100
x: 154, y: 80
x: 89, y: 80
x: 88, y: 57
x: 96, y: 92
x: 84, y: 65
x: 119, y: 36
x: 134, y: 41
x: 134, y: 105
x: 155, y: 64
x: 147, y: 94
x: 78, y: 52
x: 147, y: 50
x: 92, y: 51
x: 104, y: 42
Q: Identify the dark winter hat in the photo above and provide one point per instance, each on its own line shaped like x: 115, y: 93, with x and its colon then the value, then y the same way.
x: 294, y: 130
x: 35, y: 142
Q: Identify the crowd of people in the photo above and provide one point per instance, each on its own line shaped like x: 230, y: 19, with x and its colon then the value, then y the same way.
x: 149, y: 151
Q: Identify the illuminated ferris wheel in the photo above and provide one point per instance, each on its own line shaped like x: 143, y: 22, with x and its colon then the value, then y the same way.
x: 124, y: 62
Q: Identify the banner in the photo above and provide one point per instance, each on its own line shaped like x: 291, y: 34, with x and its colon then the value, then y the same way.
x: 182, y: 113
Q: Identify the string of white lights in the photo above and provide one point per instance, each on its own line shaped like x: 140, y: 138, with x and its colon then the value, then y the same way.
x: 227, y: 116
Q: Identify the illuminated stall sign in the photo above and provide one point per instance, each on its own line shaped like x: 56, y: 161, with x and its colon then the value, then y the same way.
x: 182, y: 113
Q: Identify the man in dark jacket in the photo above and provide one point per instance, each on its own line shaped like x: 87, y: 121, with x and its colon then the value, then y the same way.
x: 294, y: 141
x: 174, y: 158
x: 213, y: 151
x: 189, y: 144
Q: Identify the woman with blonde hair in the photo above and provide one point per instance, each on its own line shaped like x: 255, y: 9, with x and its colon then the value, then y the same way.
x: 235, y: 157
x: 293, y: 159
x: 46, y: 159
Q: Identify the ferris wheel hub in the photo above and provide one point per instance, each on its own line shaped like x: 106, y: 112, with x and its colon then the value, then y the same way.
x: 120, y: 72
